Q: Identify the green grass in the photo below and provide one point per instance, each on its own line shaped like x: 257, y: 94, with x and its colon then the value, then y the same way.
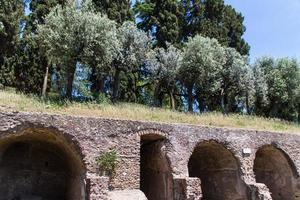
x: 9, y: 100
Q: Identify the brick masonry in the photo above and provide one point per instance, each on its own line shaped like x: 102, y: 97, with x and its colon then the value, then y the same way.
x: 87, y: 138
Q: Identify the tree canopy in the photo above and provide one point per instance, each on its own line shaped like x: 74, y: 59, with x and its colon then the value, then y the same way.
x: 71, y: 35
x: 214, y: 19
x: 11, y: 16
x: 186, y: 55
x: 162, y: 18
x: 118, y: 10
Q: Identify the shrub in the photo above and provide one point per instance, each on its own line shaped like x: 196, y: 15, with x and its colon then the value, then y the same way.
x: 108, y: 162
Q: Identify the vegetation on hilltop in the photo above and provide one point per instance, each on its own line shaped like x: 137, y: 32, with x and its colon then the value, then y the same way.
x: 10, y: 100
x: 182, y: 55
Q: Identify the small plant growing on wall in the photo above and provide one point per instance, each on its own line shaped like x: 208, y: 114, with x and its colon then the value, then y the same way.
x: 108, y: 162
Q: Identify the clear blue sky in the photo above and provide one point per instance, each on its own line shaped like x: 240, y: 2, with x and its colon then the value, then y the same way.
x: 273, y: 26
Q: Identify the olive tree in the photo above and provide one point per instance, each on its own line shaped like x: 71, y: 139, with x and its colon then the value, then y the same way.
x: 165, y: 68
x: 133, y: 48
x: 201, y: 64
x: 261, y: 100
x: 282, y: 81
x: 72, y: 35
x: 235, y: 81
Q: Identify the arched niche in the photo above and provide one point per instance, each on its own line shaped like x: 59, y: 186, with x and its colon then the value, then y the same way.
x: 156, y: 180
x: 39, y: 163
x: 218, y: 171
x: 275, y: 169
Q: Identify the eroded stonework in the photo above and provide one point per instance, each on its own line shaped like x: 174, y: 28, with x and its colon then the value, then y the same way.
x: 165, y: 161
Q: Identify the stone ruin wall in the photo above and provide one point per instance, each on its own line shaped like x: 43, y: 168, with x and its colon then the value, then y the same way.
x: 53, y: 157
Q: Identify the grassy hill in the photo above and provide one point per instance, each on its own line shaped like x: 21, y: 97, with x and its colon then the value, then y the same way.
x: 15, y: 101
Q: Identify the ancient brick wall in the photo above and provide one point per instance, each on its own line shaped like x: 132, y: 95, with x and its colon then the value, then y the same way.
x: 80, y: 140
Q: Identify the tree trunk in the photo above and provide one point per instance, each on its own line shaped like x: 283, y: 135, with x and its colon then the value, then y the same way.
x: 224, y: 102
x: 157, y: 95
x: 116, y: 85
x: 247, y: 103
x: 70, y: 79
x: 172, y: 100
x: 201, y: 103
x: 135, y: 88
x: 190, y: 98
x: 298, y: 113
x: 45, y: 81
x: 58, y: 79
x: 97, y: 81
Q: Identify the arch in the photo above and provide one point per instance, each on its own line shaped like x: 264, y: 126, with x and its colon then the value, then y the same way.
x: 274, y: 168
x: 156, y: 180
x: 218, y: 171
x: 40, y: 163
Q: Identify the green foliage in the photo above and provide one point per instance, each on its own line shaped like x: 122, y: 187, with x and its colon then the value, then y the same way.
x: 103, y: 99
x: 30, y: 66
x: 165, y: 64
x: 214, y: 19
x: 236, y: 82
x: 118, y: 10
x: 11, y: 12
x: 190, y: 51
x: 202, y: 61
x: 39, y: 10
x: 30, y: 62
x: 161, y: 16
x: 219, y: 77
x: 71, y: 35
x: 108, y: 162
x: 134, y: 46
x: 281, y: 82
x: 11, y: 15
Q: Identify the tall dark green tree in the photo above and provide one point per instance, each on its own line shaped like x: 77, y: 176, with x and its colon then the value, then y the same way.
x: 162, y: 18
x: 30, y: 65
x: 40, y: 9
x: 11, y: 14
x: 117, y: 10
x: 33, y: 69
x: 214, y: 19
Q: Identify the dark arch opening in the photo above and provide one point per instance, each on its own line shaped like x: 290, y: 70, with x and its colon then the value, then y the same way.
x: 218, y: 171
x: 275, y: 169
x: 40, y: 165
x: 156, y: 177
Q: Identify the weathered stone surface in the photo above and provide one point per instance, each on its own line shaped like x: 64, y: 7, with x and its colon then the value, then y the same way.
x: 273, y: 168
x: 219, y: 172
x: 156, y: 176
x: 80, y: 140
x: 259, y: 191
x: 127, y: 195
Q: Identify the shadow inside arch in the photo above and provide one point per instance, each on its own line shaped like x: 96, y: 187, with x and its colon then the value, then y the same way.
x: 219, y: 172
x: 156, y: 180
x: 274, y: 168
x: 41, y: 163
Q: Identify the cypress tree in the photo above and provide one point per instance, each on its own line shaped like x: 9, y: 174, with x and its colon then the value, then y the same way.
x: 214, y: 19
x: 117, y: 10
x: 11, y: 13
x: 162, y: 18
x: 33, y: 70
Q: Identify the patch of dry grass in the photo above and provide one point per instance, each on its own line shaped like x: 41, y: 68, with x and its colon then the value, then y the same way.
x: 21, y: 102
